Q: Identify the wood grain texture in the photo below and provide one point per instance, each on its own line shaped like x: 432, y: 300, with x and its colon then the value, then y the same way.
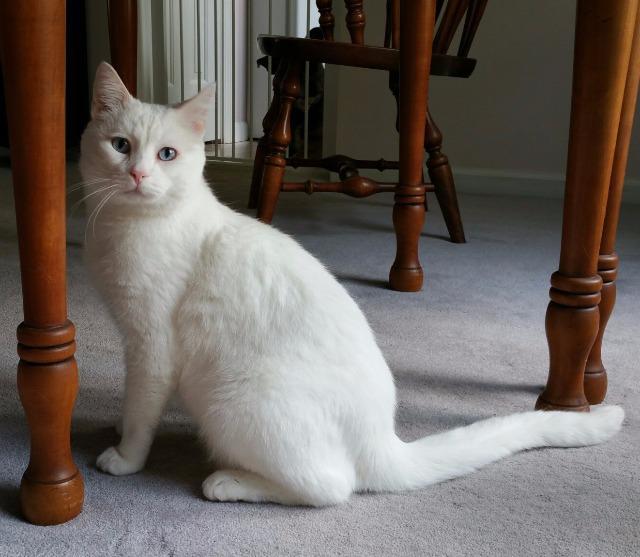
x: 603, y: 40
x: 32, y: 42
x: 595, y: 379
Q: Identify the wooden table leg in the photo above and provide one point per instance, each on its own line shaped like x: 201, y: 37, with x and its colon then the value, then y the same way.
x: 604, y: 33
x: 32, y: 42
x: 417, y: 20
x: 123, y: 40
x: 595, y: 378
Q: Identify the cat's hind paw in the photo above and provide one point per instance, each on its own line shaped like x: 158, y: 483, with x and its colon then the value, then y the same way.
x: 112, y: 462
x: 222, y: 486
x: 237, y: 485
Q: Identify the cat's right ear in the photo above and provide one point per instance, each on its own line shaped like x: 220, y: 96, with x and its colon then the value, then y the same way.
x: 109, y: 93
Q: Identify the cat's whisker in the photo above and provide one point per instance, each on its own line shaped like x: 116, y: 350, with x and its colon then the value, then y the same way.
x: 77, y: 203
x: 88, y: 183
x: 95, y: 209
x: 101, y: 205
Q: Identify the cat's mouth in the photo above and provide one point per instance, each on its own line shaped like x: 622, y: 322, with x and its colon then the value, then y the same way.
x: 137, y: 190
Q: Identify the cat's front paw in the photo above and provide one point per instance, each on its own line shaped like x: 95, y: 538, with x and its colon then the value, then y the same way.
x: 112, y: 462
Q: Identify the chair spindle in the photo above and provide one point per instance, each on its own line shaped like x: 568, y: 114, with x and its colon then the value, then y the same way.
x: 355, y: 20
x: 326, y: 20
x: 392, y: 25
x: 451, y: 18
x: 471, y: 22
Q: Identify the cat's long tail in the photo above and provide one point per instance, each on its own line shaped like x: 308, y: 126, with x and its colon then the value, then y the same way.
x: 460, y: 451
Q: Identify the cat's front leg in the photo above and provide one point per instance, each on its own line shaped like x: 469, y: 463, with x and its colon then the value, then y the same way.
x: 147, y: 390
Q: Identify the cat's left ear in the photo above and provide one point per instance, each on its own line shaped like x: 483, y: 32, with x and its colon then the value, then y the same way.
x: 109, y: 93
x: 196, y: 109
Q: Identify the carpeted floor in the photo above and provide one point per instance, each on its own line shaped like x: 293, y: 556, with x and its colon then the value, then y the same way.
x: 470, y: 346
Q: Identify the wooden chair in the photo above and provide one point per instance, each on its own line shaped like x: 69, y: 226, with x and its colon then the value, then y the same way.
x: 289, y: 55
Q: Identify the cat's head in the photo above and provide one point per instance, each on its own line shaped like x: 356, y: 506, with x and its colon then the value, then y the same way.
x: 151, y: 155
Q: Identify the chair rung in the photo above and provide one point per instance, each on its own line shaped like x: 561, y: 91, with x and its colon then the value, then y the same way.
x: 356, y: 186
x: 336, y: 162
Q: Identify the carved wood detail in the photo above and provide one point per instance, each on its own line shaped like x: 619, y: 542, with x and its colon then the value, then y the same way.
x: 355, y: 186
x: 355, y: 20
x: 595, y: 378
x: 278, y: 140
x: 573, y: 315
x: 326, y: 20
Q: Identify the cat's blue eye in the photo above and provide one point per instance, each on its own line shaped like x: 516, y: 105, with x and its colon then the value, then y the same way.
x: 121, y: 145
x: 167, y: 154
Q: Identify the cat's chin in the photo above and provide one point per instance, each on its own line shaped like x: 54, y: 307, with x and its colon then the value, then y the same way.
x: 137, y: 195
x: 134, y: 202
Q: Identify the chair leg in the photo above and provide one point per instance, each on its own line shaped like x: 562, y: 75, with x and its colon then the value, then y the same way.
x: 32, y: 43
x: 442, y: 179
x: 408, y: 212
x: 278, y: 140
x: 595, y: 377
x: 261, y: 150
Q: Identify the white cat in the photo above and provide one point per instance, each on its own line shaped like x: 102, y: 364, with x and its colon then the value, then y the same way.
x: 270, y: 355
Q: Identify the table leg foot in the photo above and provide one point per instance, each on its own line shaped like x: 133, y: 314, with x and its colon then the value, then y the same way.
x: 51, y: 503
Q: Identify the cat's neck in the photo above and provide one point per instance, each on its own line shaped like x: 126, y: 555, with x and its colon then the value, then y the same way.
x: 195, y: 215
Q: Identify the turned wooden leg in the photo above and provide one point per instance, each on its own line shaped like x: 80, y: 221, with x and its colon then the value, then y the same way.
x: 604, y: 33
x: 595, y: 378
x: 123, y: 41
x: 355, y: 20
x: 326, y: 19
x: 408, y: 212
x: 278, y: 140
x: 442, y: 180
x: 32, y: 42
x: 261, y: 149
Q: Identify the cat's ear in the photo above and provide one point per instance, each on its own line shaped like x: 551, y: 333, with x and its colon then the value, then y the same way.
x: 109, y: 93
x: 196, y: 109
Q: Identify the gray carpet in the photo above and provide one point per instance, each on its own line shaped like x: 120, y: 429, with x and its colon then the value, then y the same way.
x: 470, y: 346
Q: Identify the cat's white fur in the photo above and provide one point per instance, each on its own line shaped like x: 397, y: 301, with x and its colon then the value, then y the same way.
x: 268, y: 352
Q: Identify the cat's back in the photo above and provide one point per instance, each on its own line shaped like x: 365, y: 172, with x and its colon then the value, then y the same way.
x: 253, y: 281
x: 246, y: 258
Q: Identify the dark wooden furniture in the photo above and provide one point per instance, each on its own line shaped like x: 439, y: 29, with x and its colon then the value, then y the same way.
x: 605, y: 88
x: 606, y: 72
x: 290, y: 54
x: 32, y: 50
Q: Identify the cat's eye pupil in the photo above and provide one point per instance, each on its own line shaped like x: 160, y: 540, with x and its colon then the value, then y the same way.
x: 120, y: 144
x: 167, y: 154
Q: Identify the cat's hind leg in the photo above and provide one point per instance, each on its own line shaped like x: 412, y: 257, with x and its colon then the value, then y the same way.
x: 238, y: 485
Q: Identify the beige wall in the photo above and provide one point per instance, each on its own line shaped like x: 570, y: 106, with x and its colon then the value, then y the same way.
x: 509, y: 119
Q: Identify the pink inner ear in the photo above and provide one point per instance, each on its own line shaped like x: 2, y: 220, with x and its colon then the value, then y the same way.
x: 198, y: 127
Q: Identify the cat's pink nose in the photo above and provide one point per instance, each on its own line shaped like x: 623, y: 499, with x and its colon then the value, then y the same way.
x: 138, y: 175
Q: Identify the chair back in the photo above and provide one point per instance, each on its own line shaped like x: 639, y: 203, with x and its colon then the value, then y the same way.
x: 449, y: 16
